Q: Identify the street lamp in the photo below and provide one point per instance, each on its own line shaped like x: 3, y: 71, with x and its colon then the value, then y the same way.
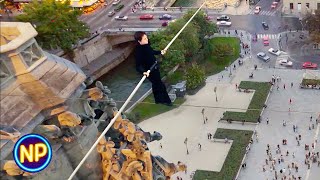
x: 215, y: 91
x: 186, y: 143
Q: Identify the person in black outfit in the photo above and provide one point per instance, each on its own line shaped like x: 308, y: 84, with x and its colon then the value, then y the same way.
x: 145, y: 60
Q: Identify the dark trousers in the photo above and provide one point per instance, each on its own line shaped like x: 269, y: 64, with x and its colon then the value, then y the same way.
x: 158, y: 88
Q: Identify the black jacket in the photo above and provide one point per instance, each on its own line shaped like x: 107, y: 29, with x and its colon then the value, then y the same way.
x: 144, y: 55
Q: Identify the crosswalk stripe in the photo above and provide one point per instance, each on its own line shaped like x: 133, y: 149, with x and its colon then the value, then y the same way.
x: 270, y: 36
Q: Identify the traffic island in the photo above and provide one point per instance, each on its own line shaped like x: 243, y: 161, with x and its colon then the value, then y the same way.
x: 241, y: 139
x: 256, y: 105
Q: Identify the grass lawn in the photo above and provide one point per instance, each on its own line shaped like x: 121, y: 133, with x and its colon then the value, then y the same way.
x: 212, y: 64
x: 148, y: 109
x: 184, y: 3
x: 233, y: 160
x: 259, y: 98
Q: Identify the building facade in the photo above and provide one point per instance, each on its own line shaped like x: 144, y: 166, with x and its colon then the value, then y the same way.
x: 300, y: 7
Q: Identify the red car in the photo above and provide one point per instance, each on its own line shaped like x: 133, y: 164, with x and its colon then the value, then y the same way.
x: 265, y: 41
x: 146, y: 17
x: 309, y: 65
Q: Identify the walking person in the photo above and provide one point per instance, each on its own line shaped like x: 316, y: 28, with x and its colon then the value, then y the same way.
x: 145, y: 60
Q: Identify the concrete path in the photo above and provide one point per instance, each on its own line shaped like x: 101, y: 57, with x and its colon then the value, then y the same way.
x: 187, y: 121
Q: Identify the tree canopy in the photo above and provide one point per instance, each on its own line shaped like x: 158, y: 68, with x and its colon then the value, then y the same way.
x: 312, y: 22
x: 187, y: 44
x: 56, y: 22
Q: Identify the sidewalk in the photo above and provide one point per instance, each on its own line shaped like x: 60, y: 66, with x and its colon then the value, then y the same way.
x: 187, y: 121
x: 242, y: 9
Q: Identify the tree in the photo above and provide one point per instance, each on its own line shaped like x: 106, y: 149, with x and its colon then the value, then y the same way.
x: 205, y: 27
x: 56, y: 22
x: 175, y: 54
x: 195, y: 76
x: 189, y: 36
x: 312, y: 22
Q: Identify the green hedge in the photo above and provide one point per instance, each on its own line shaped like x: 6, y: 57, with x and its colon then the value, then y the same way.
x: 310, y: 82
x: 259, y: 98
x: 241, y: 139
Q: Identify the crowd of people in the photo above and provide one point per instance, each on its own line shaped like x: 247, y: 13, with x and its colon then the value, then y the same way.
x: 138, y: 4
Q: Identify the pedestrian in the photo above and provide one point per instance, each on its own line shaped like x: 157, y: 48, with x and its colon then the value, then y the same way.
x: 267, y: 120
x: 278, y: 87
x: 236, y: 86
x: 206, y: 119
x: 291, y: 84
x: 284, y: 86
x: 160, y: 146
x: 208, y: 135
x: 293, y: 155
x: 290, y: 101
x: 311, y: 118
x: 199, y: 145
x: 145, y: 61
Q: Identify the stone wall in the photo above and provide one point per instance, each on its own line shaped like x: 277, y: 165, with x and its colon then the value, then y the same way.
x: 90, y: 51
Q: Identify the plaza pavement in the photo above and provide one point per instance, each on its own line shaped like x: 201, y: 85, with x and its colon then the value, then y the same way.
x: 187, y: 121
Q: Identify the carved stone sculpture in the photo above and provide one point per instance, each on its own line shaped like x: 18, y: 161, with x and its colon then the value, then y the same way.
x: 133, y: 160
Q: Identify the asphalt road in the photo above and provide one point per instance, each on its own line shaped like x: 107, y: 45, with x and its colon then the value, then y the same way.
x: 251, y: 22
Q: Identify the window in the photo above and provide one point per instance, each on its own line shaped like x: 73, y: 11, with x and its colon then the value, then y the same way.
x: 291, y: 5
x: 31, y: 54
x: 4, y: 70
x: 299, y: 7
x: 308, y: 5
x: 318, y: 6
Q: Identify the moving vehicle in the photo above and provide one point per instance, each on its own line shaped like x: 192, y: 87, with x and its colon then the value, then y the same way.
x: 223, y: 18
x: 274, y: 51
x: 111, y: 13
x: 165, y: 17
x: 115, y: 2
x: 265, y: 41
x: 164, y: 24
x: 223, y: 23
x: 257, y: 10
x: 309, y: 65
x: 263, y: 56
x: 146, y: 17
x: 265, y: 26
x: 285, y: 62
x: 274, y: 5
x: 121, y: 18
x: 119, y: 7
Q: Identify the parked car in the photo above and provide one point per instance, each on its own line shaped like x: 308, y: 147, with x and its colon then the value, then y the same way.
x: 121, y: 18
x: 274, y: 5
x: 309, y: 65
x: 116, y: 2
x: 223, y: 18
x: 119, y: 7
x: 265, y: 41
x: 285, y: 62
x: 111, y: 13
x: 146, y: 17
x: 274, y: 51
x: 165, y: 17
x: 265, y: 26
x: 263, y: 56
x: 257, y: 10
x: 223, y: 23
